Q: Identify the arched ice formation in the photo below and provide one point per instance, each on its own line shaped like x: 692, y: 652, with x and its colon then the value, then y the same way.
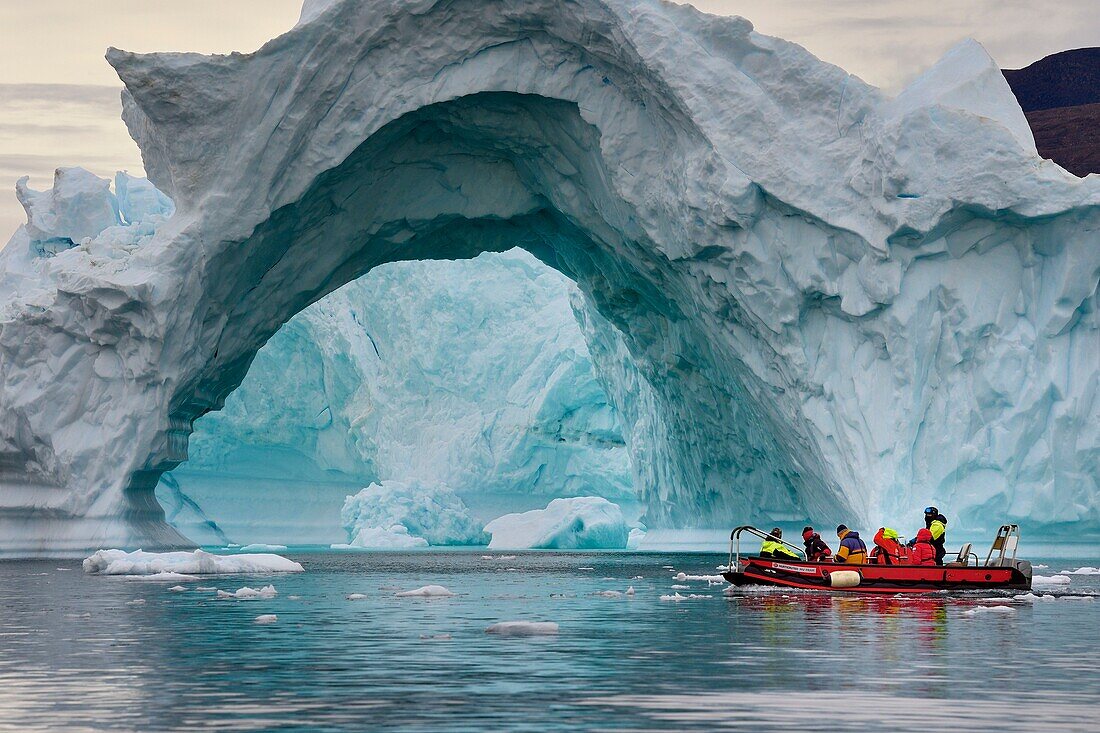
x: 814, y: 298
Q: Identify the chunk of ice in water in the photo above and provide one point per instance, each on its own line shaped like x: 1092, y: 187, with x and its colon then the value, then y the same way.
x: 355, y: 596
x: 523, y: 628
x: 1050, y: 580
x: 989, y: 609
x: 267, y: 618
x: 249, y: 594
x: 427, y: 591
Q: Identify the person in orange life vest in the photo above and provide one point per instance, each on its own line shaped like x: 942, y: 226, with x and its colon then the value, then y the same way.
x: 923, y: 553
x: 852, y: 549
x: 816, y: 549
x: 888, y: 551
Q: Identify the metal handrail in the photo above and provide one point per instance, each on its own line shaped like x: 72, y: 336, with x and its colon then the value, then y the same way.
x: 1000, y: 542
x: 735, y: 543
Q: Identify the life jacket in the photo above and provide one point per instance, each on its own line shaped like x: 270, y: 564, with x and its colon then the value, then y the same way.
x: 888, y: 551
x: 938, y: 531
x: 923, y: 553
x: 852, y: 549
x: 771, y: 548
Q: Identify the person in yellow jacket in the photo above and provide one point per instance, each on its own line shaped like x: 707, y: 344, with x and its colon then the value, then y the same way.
x: 936, y: 523
x: 771, y: 547
x: 852, y: 549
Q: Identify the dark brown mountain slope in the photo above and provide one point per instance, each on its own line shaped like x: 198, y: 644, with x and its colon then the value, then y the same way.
x: 1060, y: 96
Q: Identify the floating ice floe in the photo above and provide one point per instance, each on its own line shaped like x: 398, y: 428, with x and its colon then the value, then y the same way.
x: 523, y: 628
x: 427, y: 591
x: 681, y: 587
x: 267, y: 618
x: 249, y: 594
x: 578, y: 523
x: 259, y: 547
x: 681, y: 577
x: 355, y: 596
x: 139, y: 562
x: 1032, y: 598
x: 1082, y: 571
x: 630, y: 591
x: 163, y: 577
x: 177, y: 589
x: 609, y: 593
x: 136, y: 602
x: 989, y: 609
x: 677, y: 597
x: 1050, y: 580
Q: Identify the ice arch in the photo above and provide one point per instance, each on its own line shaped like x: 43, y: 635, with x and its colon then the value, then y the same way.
x: 814, y: 298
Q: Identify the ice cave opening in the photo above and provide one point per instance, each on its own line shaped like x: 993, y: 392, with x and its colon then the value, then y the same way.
x: 466, y: 377
x: 483, y: 174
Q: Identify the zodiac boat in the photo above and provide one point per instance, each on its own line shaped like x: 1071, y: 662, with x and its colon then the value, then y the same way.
x: 1001, y: 570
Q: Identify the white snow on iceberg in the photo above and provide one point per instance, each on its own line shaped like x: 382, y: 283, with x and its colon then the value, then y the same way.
x: 120, y: 562
x: 579, y: 523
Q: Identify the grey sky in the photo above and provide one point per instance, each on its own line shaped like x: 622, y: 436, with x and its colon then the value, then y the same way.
x: 45, y: 43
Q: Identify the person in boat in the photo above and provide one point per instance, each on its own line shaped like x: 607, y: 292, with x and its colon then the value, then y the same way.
x: 936, y: 524
x: 772, y: 547
x: 887, y: 551
x: 852, y: 549
x: 923, y: 553
x: 816, y: 549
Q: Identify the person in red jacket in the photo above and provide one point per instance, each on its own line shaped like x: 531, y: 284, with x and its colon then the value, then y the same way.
x: 923, y: 553
x: 816, y: 549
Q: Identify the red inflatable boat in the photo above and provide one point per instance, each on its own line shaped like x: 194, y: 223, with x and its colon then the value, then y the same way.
x: 1001, y: 570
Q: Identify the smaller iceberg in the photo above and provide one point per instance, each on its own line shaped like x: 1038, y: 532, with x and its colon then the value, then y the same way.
x: 139, y: 562
x: 579, y: 523
x: 394, y: 537
x: 396, y: 514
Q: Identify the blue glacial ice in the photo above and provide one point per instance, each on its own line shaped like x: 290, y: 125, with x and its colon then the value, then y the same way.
x: 805, y: 298
x: 385, y: 513
x: 576, y: 523
x: 470, y: 376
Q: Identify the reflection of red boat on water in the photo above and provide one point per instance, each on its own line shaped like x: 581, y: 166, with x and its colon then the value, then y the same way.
x: 1001, y: 570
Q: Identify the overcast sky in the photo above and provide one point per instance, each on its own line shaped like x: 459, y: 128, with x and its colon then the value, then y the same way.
x: 59, y: 99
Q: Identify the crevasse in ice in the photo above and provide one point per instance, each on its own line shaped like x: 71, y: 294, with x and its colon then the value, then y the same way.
x: 832, y: 303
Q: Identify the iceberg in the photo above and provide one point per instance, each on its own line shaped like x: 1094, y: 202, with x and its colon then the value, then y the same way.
x: 805, y: 299
x: 579, y: 523
x: 393, y: 514
x: 184, y: 564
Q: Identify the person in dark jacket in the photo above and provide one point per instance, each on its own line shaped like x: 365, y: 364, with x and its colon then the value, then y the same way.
x: 923, y: 553
x: 772, y: 547
x: 936, y: 524
x: 852, y: 549
x: 816, y: 549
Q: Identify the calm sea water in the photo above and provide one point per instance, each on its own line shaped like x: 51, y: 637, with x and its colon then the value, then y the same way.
x: 82, y: 652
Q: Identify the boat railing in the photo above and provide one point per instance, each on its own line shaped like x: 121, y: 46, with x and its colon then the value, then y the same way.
x: 1005, y: 544
x: 735, y: 543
